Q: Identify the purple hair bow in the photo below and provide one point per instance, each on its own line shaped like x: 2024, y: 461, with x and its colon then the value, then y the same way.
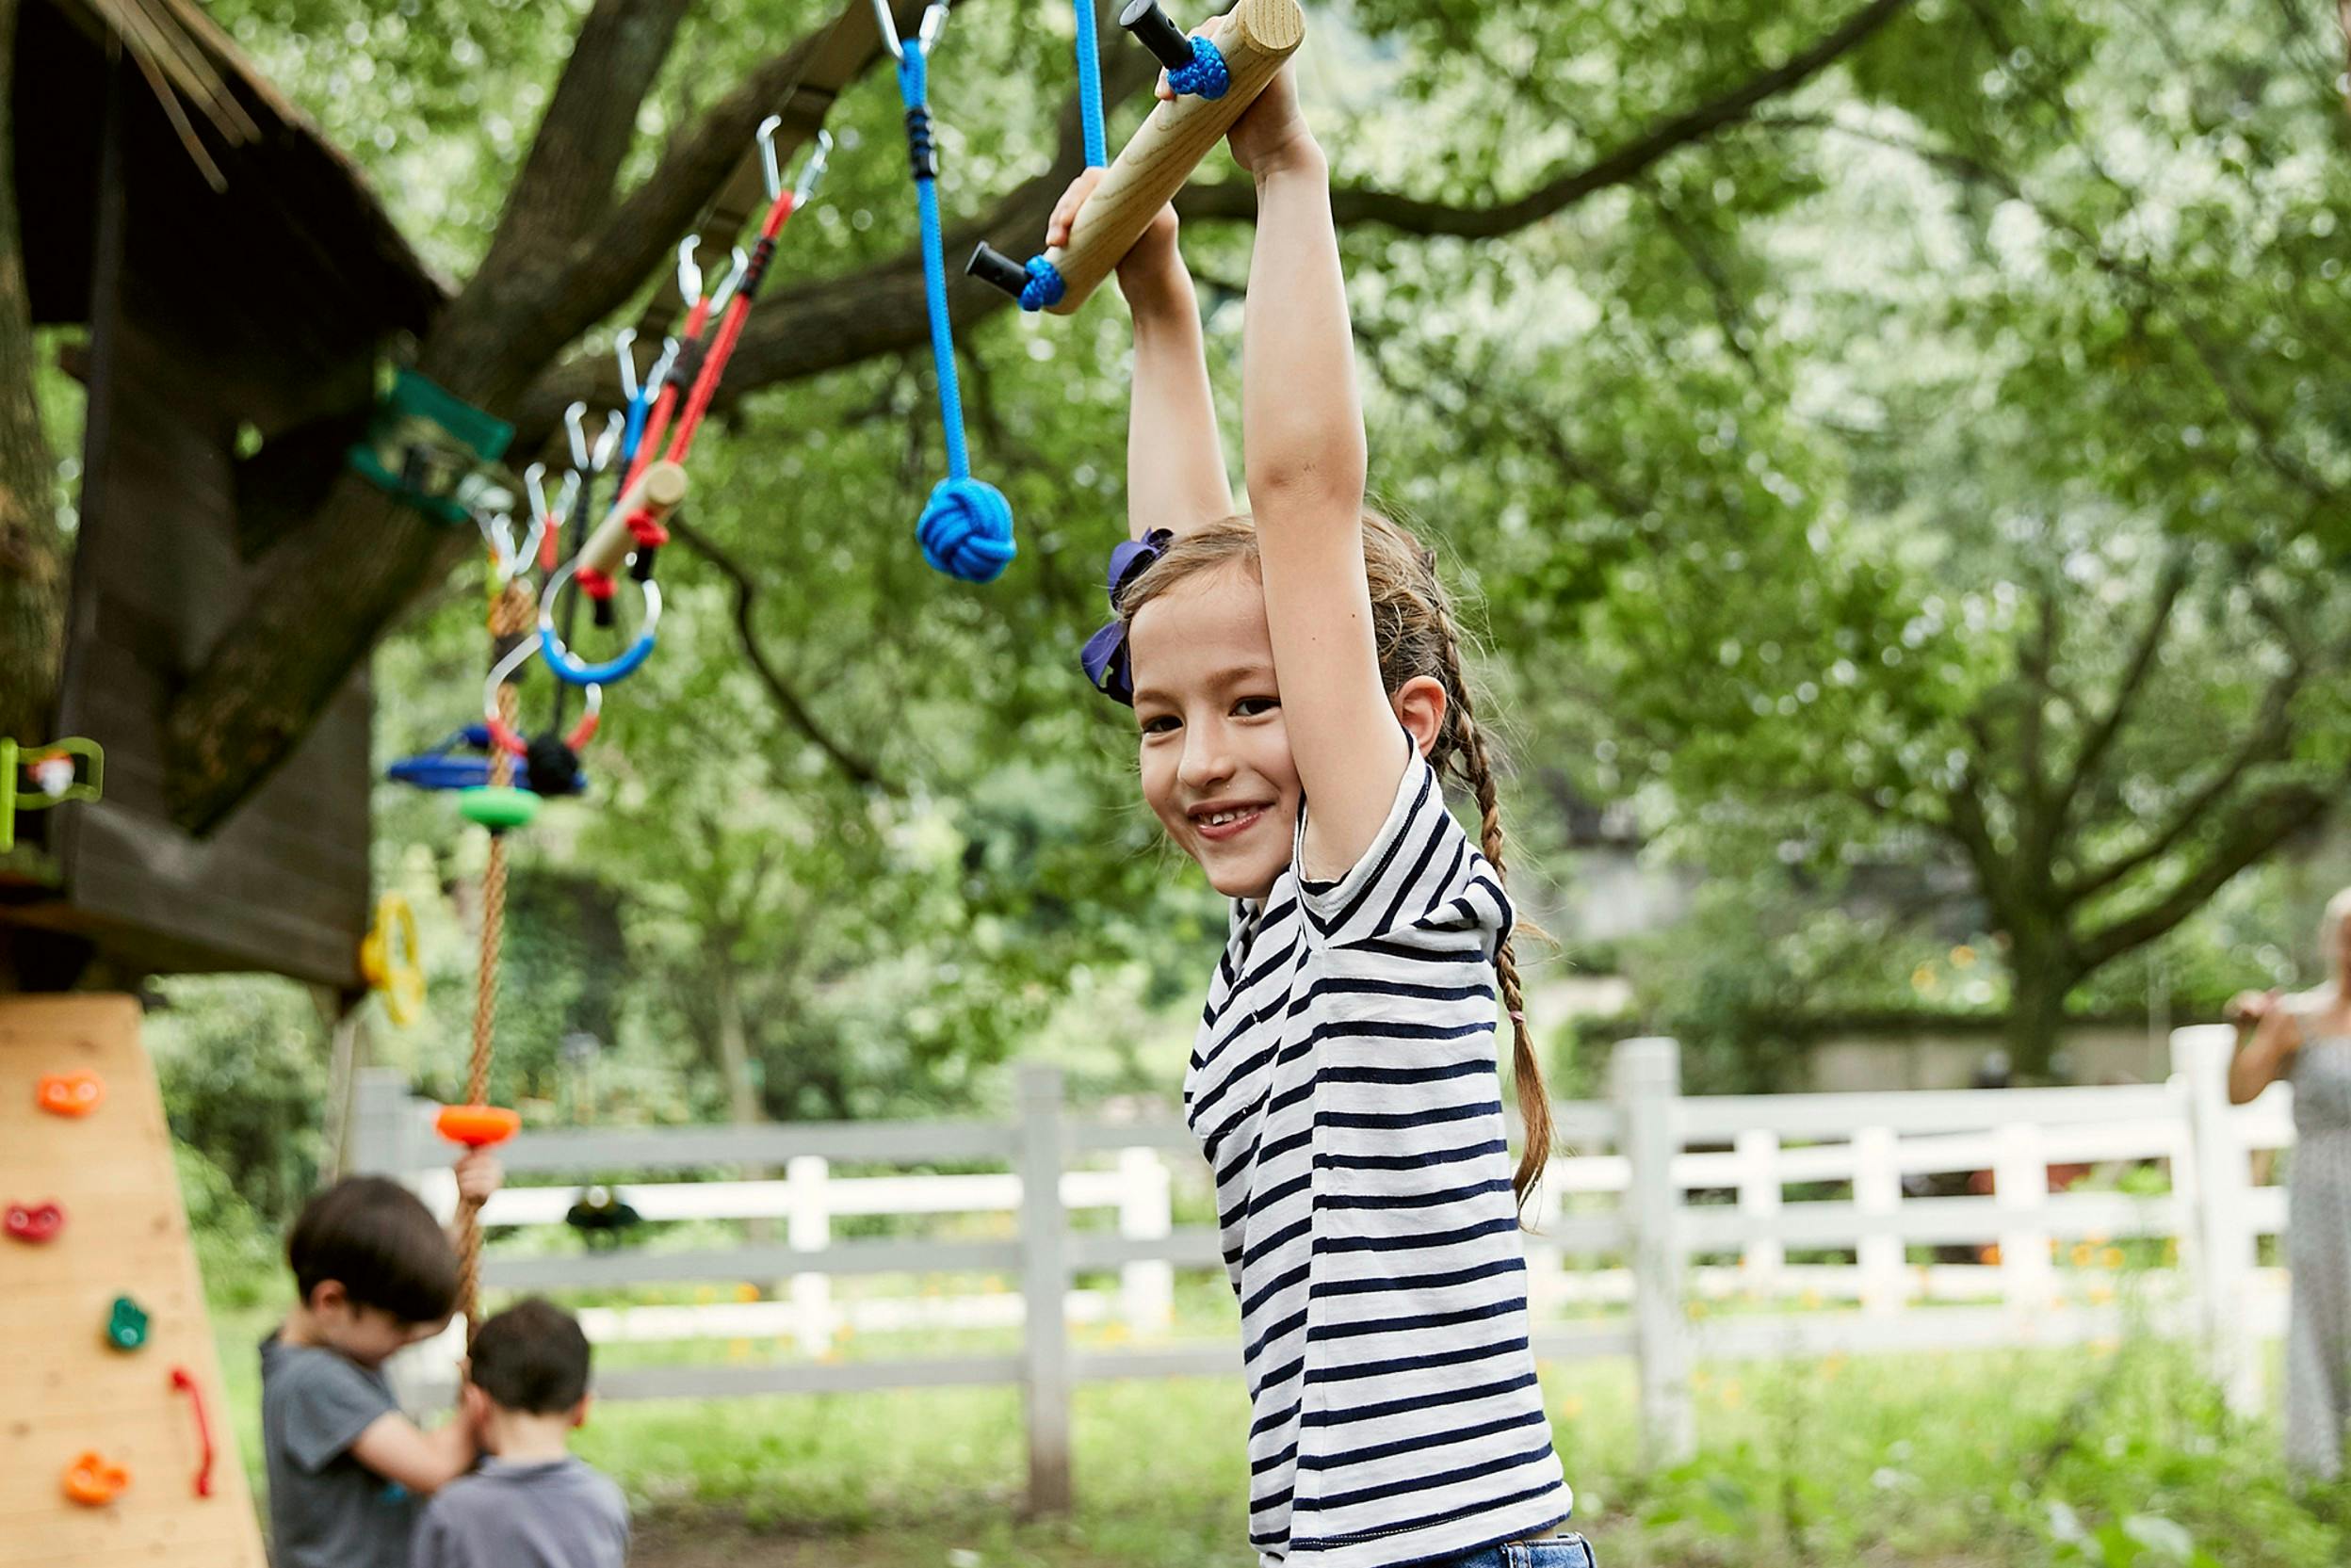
x: 1105, y: 655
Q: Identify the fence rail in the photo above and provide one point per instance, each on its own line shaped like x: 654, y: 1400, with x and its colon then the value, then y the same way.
x: 1677, y: 1209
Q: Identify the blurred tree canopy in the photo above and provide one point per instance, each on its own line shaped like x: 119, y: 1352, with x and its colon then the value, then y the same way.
x: 1877, y: 431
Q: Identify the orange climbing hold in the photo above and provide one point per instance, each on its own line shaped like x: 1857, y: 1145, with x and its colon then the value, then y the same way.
x: 93, y: 1483
x: 477, y: 1126
x: 71, y: 1093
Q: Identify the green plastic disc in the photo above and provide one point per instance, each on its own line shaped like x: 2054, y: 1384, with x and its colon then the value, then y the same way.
x: 498, y: 807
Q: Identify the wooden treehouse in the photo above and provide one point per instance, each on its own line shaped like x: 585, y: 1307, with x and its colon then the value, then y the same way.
x: 237, y: 283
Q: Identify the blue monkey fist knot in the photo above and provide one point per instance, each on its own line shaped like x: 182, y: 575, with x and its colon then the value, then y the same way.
x: 967, y: 530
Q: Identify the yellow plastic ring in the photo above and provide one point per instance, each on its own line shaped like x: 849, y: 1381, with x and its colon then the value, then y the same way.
x: 392, y: 962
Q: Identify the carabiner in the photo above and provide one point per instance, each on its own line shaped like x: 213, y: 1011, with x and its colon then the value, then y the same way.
x: 573, y: 419
x: 770, y: 170
x: 812, y: 172
x: 934, y: 21
x: 601, y: 457
x: 728, y: 284
x: 658, y: 376
x: 502, y: 734
x: 624, y: 347
x: 577, y: 672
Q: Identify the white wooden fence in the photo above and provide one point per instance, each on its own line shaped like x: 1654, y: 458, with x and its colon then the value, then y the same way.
x: 1677, y: 1208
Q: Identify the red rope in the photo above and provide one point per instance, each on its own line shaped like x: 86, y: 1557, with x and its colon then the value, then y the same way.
x: 664, y: 405
x: 707, y: 384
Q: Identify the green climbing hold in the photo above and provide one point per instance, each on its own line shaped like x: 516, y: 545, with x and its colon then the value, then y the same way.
x: 498, y: 807
x: 126, y: 1327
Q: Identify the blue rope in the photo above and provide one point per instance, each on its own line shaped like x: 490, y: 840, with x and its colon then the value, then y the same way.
x: 1207, y: 77
x: 1090, y: 88
x: 967, y: 528
x: 633, y: 433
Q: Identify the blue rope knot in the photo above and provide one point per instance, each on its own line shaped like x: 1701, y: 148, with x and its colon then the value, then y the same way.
x: 1044, y: 288
x: 967, y: 530
x: 1207, y: 77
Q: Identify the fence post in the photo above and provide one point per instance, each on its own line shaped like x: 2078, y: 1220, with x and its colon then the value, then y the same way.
x: 2028, y: 1279
x: 2221, y: 1244
x: 1645, y: 1081
x: 1877, y: 1195
x: 1761, y: 1259
x: 808, y: 1228
x: 1045, y: 1288
x: 381, y: 1114
x: 1146, y: 1287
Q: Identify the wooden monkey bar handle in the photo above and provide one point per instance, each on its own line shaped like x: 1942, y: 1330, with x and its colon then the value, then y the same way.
x: 1255, y: 38
x: 659, y: 490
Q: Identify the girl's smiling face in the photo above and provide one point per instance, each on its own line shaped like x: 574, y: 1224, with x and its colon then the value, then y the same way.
x: 1216, y: 762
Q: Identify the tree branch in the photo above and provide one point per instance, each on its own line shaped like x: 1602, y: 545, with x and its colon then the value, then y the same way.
x: 788, y: 702
x: 2269, y: 741
x: 2253, y: 830
x: 711, y: 168
x: 2169, y: 584
x: 1358, y: 204
x: 2037, y: 661
x: 566, y: 181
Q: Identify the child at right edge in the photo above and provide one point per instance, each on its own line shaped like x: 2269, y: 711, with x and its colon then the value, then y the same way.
x: 1299, y: 697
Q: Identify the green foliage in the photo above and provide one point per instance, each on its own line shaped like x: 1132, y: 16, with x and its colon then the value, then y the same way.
x: 242, y: 1061
x: 1813, y: 478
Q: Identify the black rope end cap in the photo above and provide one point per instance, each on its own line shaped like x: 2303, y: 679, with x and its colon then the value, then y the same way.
x: 994, y: 268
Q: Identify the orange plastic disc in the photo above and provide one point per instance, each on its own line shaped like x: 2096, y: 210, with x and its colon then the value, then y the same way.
x: 477, y: 1126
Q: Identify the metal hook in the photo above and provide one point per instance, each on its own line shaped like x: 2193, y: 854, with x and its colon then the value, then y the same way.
x: 934, y: 21
x: 733, y: 281
x: 688, y: 270
x: 498, y: 534
x: 532, y: 483
x: 887, y: 22
x: 659, y: 376
x: 608, y: 442
x: 812, y: 172
x: 624, y: 343
x: 767, y: 165
x: 571, y: 421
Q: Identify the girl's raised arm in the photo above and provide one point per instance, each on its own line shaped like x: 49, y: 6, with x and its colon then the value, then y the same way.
x: 1174, y: 455
x: 1302, y: 426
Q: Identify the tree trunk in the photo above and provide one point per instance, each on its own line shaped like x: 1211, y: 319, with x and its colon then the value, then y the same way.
x: 743, y: 1108
x: 742, y: 1096
x: 33, y: 560
x: 2041, y: 977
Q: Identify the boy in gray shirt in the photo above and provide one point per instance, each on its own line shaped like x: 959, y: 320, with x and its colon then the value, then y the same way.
x: 531, y: 1504
x: 372, y: 1274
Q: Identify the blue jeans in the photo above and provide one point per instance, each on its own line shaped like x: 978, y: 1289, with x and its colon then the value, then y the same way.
x: 1559, y: 1551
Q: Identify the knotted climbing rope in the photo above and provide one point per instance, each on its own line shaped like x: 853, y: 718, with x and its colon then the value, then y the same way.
x: 967, y: 527
x: 511, y: 616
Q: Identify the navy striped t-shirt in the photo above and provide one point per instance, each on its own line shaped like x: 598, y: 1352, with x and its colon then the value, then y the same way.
x: 1344, y: 1091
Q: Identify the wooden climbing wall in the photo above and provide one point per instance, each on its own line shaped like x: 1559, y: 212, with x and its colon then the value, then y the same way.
x: 64, y: 1389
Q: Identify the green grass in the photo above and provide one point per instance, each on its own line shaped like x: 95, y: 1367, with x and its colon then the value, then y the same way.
x: 2118, y: 1455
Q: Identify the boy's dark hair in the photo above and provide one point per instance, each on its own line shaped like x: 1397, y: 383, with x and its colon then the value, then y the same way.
x: 384, y: 1245
x: 531, y: 1358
